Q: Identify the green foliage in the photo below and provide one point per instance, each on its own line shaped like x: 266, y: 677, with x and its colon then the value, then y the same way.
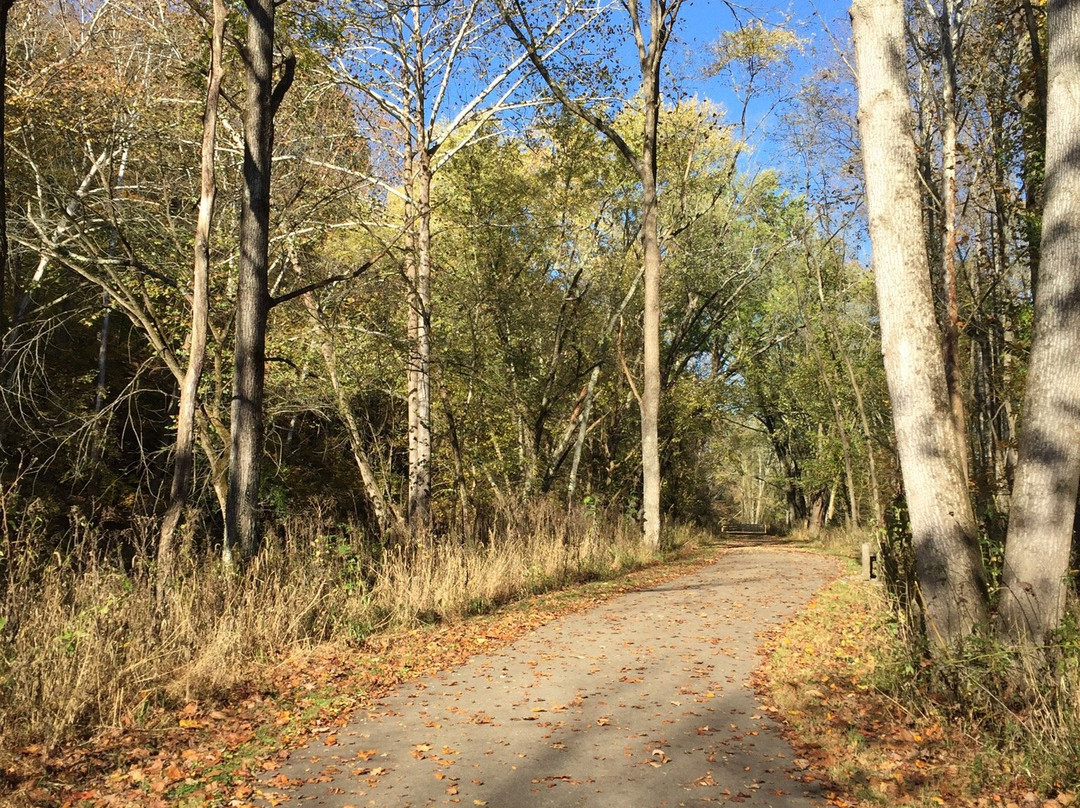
x: 533, y: 320
x: 755, y: 46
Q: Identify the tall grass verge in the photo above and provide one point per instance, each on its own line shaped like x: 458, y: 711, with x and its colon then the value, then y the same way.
x: 82, y: 645
x: 432, y: 578
x: 1023, y: 706
x: 845, y: 542
x: 988, y: 726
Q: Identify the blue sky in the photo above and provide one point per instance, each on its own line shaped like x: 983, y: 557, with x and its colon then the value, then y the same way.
x: 702, y: 21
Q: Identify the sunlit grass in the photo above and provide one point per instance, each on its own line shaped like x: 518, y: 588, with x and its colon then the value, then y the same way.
x: 84, y: 646
x: 889, y: 727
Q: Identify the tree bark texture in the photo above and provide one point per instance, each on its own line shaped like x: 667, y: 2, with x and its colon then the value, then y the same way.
x: 662, y: 17
x: 420, y: 350
x: 412, y: 321
x: 419, y: 177
x: 951, y: 332
x: 5, y: 7
x: 1033, y: 122
x: 948, y: 567
x: 1044, y: 493
x: 650, y: 386
x: 183, y: 463
x: 252, y: 297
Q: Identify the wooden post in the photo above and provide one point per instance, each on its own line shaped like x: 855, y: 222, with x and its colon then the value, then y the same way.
x: 867, y: 562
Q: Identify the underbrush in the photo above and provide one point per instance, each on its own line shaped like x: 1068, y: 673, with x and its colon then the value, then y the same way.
x: 890, y: 727
x: 845, y: 542
x: 1022, y: 706
x: 82, y: 645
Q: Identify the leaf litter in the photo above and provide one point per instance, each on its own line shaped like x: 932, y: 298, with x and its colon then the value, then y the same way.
x: 819, y: 681
x: 217, y: 751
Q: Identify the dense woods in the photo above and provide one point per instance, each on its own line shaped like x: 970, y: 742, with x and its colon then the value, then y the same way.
x: 315, y: 318
x: 509, y: 245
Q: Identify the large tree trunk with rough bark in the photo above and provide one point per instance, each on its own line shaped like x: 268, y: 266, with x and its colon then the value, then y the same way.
x: 948, y: 566
x: 252, y: 296
x: 1044, y: 493
x: 200, y: 304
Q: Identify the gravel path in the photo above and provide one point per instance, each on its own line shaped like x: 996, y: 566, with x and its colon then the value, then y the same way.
x: 641, y: 702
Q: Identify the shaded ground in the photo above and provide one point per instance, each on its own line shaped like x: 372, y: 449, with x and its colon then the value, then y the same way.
x: 642, y: 701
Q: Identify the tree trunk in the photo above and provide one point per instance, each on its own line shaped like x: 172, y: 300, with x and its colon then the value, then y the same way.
x: 854, y: 519
x: 242, y: 528
x: 200, y: 305
x: 1003, y: 414
x: 106, y: 309
x: 798, y: 513
x: 837, y: 409
x: 951, y: 331
x: 1044, y: 494
x: 467, y: 525
x: 412, y: 322
x: 1034, y: 126
x: 650, y: 388
x: 418, y: 176
x: 860, y: 404
x: 951, y: 579
x: 651, y: 42
x: 582, y: 432
x: 5, y: 7
x: 420, y: 350
x: 386, y: 515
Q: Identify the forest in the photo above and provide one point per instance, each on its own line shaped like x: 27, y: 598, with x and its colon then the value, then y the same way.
x: 320, y: 319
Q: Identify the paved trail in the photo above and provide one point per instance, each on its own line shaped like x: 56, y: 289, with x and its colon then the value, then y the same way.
x: 638, y: 703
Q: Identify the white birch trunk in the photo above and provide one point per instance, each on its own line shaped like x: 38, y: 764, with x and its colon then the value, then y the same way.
x: 420, y: 352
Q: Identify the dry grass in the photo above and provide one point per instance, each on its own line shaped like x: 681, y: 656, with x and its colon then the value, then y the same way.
x: 889, y: 727
x: 82, y: 646
x: 1024, y: 706
x: 845, y: 542
x: 427, y: 579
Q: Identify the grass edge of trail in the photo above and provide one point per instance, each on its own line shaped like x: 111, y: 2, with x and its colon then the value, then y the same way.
x: 220, y: 749
x: 859, y: 706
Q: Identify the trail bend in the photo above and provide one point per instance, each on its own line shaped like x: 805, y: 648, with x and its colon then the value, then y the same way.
x: 641, y: 702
